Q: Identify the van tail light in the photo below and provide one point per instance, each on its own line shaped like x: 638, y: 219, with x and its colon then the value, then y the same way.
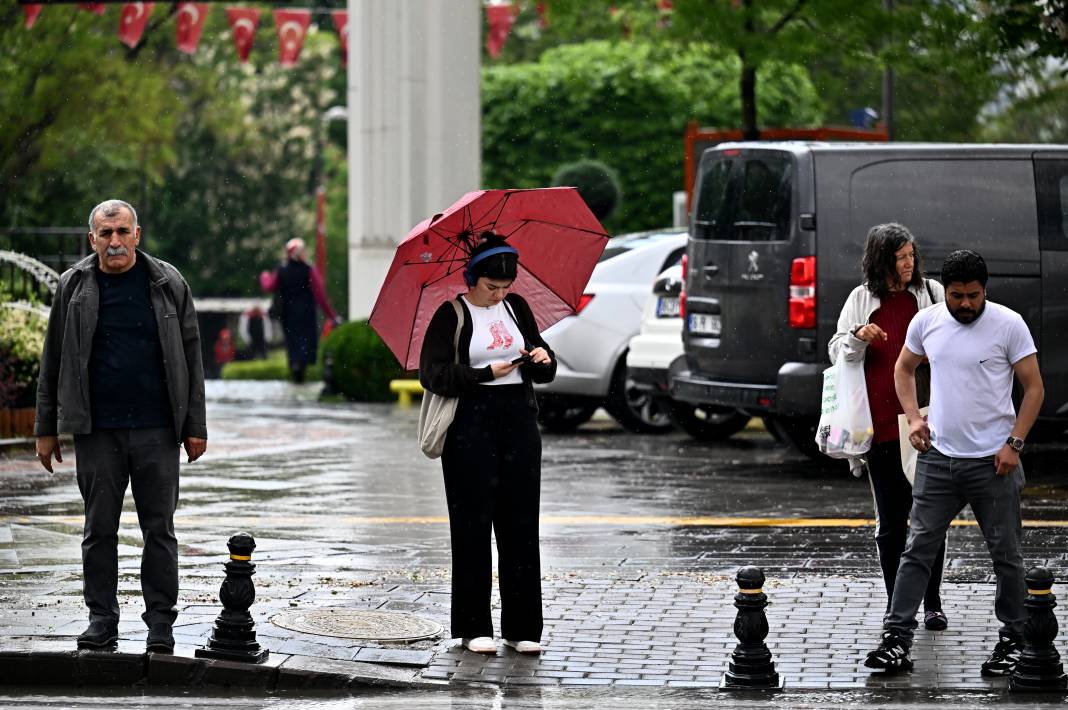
x: 682, y: 290
x: 803, y: 292
x: 584, y: 300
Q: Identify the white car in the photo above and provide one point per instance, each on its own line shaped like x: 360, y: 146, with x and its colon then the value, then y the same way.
x: 591, y: 346
x: 656, y: 347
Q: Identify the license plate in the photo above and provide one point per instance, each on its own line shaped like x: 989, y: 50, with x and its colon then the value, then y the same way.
x: 705, y: 324
x: 667, y: 307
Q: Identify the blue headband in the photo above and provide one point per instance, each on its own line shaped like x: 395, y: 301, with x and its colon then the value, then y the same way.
x: 491, y: 252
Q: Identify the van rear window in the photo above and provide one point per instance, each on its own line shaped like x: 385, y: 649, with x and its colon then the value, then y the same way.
x: 745, y: 198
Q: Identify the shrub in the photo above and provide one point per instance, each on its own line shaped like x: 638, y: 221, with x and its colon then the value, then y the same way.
x: 273, y: 368
x: 625, y: 104
x: 596, y: 183
x: 361, y: 364
x: 22, y: 335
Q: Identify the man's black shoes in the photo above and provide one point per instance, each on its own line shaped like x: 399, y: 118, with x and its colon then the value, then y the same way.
x: 100, y: 634
x: 1004, y: 658
x: 160, y: 639
x: 892, y: 655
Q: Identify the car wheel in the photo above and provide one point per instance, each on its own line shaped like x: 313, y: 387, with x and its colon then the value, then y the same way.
x: 799, y: 432
x: 563, y: 414
x: 705, y: 422
x: 636, y: 409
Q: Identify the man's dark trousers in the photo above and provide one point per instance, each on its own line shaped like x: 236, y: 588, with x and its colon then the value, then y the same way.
x: 943, y: 486
x: 147, y: 459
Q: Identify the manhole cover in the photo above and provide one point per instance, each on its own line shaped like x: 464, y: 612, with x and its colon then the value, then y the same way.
x: 358, y: 624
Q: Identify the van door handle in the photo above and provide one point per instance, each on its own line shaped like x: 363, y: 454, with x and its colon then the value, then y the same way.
x: 710, y: 270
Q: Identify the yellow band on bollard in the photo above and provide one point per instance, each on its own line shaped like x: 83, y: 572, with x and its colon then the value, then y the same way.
x: 244, y: 558
x: 751, y: 591
x: 1039, y: 592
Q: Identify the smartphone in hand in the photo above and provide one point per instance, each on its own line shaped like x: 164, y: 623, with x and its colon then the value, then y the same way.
x: 521, y: 360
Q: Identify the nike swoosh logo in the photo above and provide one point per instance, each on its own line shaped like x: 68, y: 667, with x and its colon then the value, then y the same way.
x: 982, y: 361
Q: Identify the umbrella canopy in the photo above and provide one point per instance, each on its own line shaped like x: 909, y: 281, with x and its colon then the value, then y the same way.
x: 558, y: 239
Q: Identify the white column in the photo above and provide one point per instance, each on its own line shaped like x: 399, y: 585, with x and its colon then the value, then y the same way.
x: 414, y: 128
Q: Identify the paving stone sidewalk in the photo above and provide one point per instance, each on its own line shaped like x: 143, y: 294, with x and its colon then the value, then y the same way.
x: 664, y: 630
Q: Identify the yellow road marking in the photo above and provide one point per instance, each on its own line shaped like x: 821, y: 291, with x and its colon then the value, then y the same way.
x: 314, y: 520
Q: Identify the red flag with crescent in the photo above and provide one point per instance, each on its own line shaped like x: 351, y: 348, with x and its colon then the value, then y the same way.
x: 31, y: 11
x: 132, y: 22
x: 341, y: 24
x: 97, y: 8
x: 243, y: 21
x: 500, y: 19
x: 191, y: 16
x: 291, y: 26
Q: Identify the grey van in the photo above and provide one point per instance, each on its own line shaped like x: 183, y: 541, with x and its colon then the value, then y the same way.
x: 776, y: 235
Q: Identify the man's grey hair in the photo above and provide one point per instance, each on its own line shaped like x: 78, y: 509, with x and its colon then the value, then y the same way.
x: 110, y: 208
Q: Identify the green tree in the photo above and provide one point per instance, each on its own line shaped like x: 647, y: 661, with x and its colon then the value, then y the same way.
x: 1037, y: 28
x: 625, y: 104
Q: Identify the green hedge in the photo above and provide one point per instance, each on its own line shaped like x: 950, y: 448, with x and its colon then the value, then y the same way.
x: 362, y: 365
x: 625, y: 104
x: 596, y: 183
x: 273, y: 368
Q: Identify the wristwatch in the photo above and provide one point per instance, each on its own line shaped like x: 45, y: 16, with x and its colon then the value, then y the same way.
x: 1016, y: 444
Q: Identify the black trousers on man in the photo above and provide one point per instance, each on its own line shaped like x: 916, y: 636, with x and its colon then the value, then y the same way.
x: 147, y: 459
x: 893, y: 503
x: 492, y: 466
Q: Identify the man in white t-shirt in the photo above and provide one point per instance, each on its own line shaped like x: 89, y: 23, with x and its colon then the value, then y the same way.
x: 969, y: 446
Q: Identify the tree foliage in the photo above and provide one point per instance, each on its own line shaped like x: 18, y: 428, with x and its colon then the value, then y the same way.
x: 216, y: 155
x: 625, y: 104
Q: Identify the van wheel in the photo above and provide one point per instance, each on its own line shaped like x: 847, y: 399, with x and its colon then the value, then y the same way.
x: 706, y: 422
x: 563, y: 414
x: 798, y: 432
x: 636, y: 409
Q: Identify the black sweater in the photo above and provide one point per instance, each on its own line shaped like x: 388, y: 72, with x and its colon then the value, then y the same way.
x: 440, y: 375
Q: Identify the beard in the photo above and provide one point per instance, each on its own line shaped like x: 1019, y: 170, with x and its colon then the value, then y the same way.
x: 967, y: 315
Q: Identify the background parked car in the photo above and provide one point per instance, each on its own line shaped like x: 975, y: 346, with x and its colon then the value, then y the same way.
x: 656, y: 346
x: 591, y: 346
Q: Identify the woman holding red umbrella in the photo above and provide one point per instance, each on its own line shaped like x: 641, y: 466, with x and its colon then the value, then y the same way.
x: 492, y: 455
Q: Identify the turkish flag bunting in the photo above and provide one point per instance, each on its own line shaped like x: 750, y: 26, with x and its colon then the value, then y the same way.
x: 543, y: 15
x: 291, y: 26
x: 341, y: 24
x: 191, y: 16
x: 97, y: 8
x: 132, y: 22
x: 31, y: 11
x: 243, y: 21
x: 500, y: 19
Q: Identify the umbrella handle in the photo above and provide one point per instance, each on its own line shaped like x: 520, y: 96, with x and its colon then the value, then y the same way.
x: 435, y: 218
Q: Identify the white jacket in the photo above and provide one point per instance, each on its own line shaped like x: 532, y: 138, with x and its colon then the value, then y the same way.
x: 857, y: 311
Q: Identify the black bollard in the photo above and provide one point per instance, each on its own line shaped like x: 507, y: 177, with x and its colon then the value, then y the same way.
x: 234, y: 635
x: 751, y: 666
x: 1039, y: 668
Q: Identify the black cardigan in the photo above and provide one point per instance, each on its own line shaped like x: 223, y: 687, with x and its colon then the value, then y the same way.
x: 440, y: 375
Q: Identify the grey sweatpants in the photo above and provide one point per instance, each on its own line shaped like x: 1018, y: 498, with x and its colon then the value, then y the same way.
x: 942, y: 488
x: 147, y: 459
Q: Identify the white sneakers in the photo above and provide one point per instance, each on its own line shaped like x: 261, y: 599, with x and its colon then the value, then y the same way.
x: 484, y: 644
x: 481, y: 644
x: 531, y: 647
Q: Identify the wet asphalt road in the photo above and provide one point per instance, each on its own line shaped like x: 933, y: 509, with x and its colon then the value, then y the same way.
x: 348, y: 479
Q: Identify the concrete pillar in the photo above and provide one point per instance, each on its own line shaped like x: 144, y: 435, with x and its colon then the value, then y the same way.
x: 414, y: 125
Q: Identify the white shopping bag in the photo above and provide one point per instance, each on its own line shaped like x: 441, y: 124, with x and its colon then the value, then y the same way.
x: 908, y: 452
x: 845, y: 429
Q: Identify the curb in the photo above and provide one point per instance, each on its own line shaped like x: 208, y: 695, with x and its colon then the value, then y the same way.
x: 96, y: 668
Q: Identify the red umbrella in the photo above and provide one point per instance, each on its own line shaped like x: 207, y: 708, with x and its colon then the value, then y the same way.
x: 558, y: 239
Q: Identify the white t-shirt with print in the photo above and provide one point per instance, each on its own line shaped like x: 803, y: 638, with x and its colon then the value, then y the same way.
x: 971, y: 412
x: 494, y: 338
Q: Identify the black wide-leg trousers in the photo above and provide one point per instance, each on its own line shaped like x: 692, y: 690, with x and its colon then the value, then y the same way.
x: 492, y: 466
x: 147, y: 460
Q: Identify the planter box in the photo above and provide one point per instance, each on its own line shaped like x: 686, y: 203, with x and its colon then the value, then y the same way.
x: 16, y: 423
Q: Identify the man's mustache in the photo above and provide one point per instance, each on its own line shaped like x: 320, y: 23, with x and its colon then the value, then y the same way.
x: 118, y: 251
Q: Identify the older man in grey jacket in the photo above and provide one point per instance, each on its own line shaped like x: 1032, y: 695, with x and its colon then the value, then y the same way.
x: 122, y: 372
